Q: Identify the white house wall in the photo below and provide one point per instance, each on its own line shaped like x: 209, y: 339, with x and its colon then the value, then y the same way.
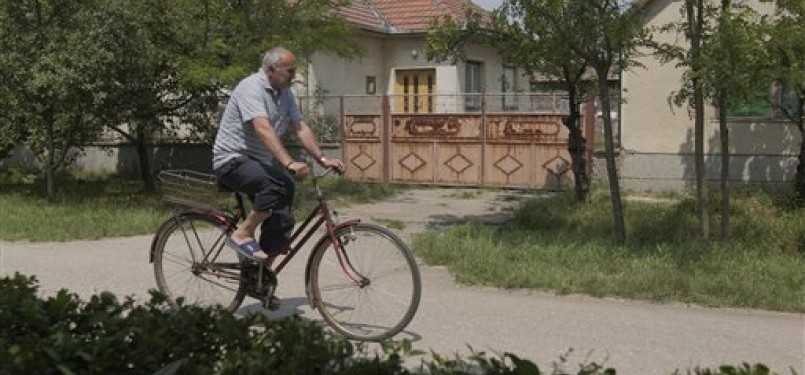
x: 339, y: 76
x: 657, y: 138
x: 387, y: 54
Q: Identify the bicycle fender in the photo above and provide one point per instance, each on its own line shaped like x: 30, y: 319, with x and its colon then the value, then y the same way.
x: 316, y: 247
x: 164, y: 226
x: 158, y: 236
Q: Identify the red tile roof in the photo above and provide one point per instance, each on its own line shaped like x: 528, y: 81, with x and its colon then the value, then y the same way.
x: 403, y: 16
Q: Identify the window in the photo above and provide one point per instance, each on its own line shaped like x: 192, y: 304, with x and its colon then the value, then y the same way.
x: 508, y: 84
x: 778, y: 104
x: 472, y: 86
x: 371, y: 85
x: 414, y: 89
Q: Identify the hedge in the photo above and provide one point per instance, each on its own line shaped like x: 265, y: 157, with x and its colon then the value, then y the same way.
x: 61, y: 334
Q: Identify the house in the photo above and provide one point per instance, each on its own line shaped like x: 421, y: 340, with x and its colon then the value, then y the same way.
x: 407, y: 119
x: 393, y: 35
x: 657, y: 145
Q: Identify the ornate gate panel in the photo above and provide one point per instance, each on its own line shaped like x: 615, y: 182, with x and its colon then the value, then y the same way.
x: 524, y: 150
x: 527, y: 150
x: 363, y: 147
x: 442, y: 149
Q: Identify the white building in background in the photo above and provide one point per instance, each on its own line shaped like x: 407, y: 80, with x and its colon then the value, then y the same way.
x: 394, y: 37
x: 657, y: 145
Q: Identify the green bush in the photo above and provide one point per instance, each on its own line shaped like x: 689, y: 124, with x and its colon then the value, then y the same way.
x: 64, y: 335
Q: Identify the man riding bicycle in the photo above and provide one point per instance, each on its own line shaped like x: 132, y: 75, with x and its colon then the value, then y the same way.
x: 249, y: 157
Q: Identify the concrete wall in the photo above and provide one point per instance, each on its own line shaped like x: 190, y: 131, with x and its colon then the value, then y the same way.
x: 657, y: 138
x: 123, y: 158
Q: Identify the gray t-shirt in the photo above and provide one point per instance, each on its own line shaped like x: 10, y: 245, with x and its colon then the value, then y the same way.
x: 253, y: 97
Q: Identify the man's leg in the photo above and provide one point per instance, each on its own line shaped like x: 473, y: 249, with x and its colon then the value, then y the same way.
x: 269, y: 187
x: 246, y: 229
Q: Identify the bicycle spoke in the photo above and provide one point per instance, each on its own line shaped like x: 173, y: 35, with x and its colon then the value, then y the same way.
x: 192, y: 263
x: 386, y: 294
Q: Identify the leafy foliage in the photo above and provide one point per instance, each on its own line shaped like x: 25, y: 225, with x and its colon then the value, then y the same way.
x: 544, y: 49
x: 144, y: 69
x: 787, y: 51
x: 48, y: 66
x: 62, y: 335
x: 560, y: 40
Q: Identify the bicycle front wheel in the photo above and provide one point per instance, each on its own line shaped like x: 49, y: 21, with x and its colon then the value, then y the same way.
x: 370, y: 288
x: 191, y: 262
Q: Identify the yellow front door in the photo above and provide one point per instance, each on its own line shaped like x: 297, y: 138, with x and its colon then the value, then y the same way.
x: 414, y: 90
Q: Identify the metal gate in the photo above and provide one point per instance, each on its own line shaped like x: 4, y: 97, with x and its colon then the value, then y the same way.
x: 523, y: 149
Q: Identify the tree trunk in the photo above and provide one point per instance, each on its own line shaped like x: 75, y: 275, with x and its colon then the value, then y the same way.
x: 50, y: 158
x: 618, y: 227
x: 141, y: 143
x: 799, y: 179
x: 695, y: 13
x: 725, y: 169
x: 576, y: 145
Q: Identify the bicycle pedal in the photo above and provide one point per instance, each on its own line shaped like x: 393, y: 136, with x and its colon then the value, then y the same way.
x: 272, y: 303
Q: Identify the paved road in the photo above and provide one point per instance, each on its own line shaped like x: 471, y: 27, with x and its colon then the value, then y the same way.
x: 633, y: 337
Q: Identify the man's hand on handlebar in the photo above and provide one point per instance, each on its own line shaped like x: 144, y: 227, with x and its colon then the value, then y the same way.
x: 336, y: 164
x: 298, y: 169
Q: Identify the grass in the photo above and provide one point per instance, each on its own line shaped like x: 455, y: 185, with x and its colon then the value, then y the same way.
x: 390, y: 223
x: 88, y: 207
x: 558, y: 245
x: 341, y: 192
x: 93, y: 207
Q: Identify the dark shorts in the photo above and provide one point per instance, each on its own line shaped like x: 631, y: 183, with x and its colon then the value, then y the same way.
x: 270, y: 189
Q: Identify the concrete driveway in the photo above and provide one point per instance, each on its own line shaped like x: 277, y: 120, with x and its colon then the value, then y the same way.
x: 633, y: 337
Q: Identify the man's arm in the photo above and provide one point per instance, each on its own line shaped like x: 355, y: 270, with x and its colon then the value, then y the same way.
x: 270, y: 138
x: 308, y: 141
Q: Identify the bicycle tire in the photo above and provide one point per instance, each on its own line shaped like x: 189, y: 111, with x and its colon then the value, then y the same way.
x: 354, y: 310
x: 181, y: 271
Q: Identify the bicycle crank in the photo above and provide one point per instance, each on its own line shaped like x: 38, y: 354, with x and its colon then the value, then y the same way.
x: 272, y: 303
x: 261, y: 284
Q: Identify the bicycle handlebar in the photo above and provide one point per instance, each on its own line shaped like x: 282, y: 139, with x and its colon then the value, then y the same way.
x: 328, y: 170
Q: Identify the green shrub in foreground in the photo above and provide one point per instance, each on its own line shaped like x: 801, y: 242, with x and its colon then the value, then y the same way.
x: 64, y: 335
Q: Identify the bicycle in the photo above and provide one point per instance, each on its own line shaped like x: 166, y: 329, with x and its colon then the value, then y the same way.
x: 361, y: 277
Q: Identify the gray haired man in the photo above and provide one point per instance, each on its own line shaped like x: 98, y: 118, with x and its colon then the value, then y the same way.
x: 249, y: 157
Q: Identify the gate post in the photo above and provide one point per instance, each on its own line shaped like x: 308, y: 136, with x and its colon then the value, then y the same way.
x: 483, y: 140
x: 385, y: 138
x: 343, y: 128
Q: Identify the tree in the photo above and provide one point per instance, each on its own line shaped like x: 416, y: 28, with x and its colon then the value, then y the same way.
x: 608, y: 34
x: 723, y: 68
x: 542, y: 49
x: 562, y: 39
x: 786, y: 49
x: 695, y: 28
x: 48, y: 68
x: 520, y: 37
x: 170, y: 61
x: 729, y: 58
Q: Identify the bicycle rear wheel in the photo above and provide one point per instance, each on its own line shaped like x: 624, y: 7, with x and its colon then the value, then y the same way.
x: 191, y: 262
x: 371, y: 290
